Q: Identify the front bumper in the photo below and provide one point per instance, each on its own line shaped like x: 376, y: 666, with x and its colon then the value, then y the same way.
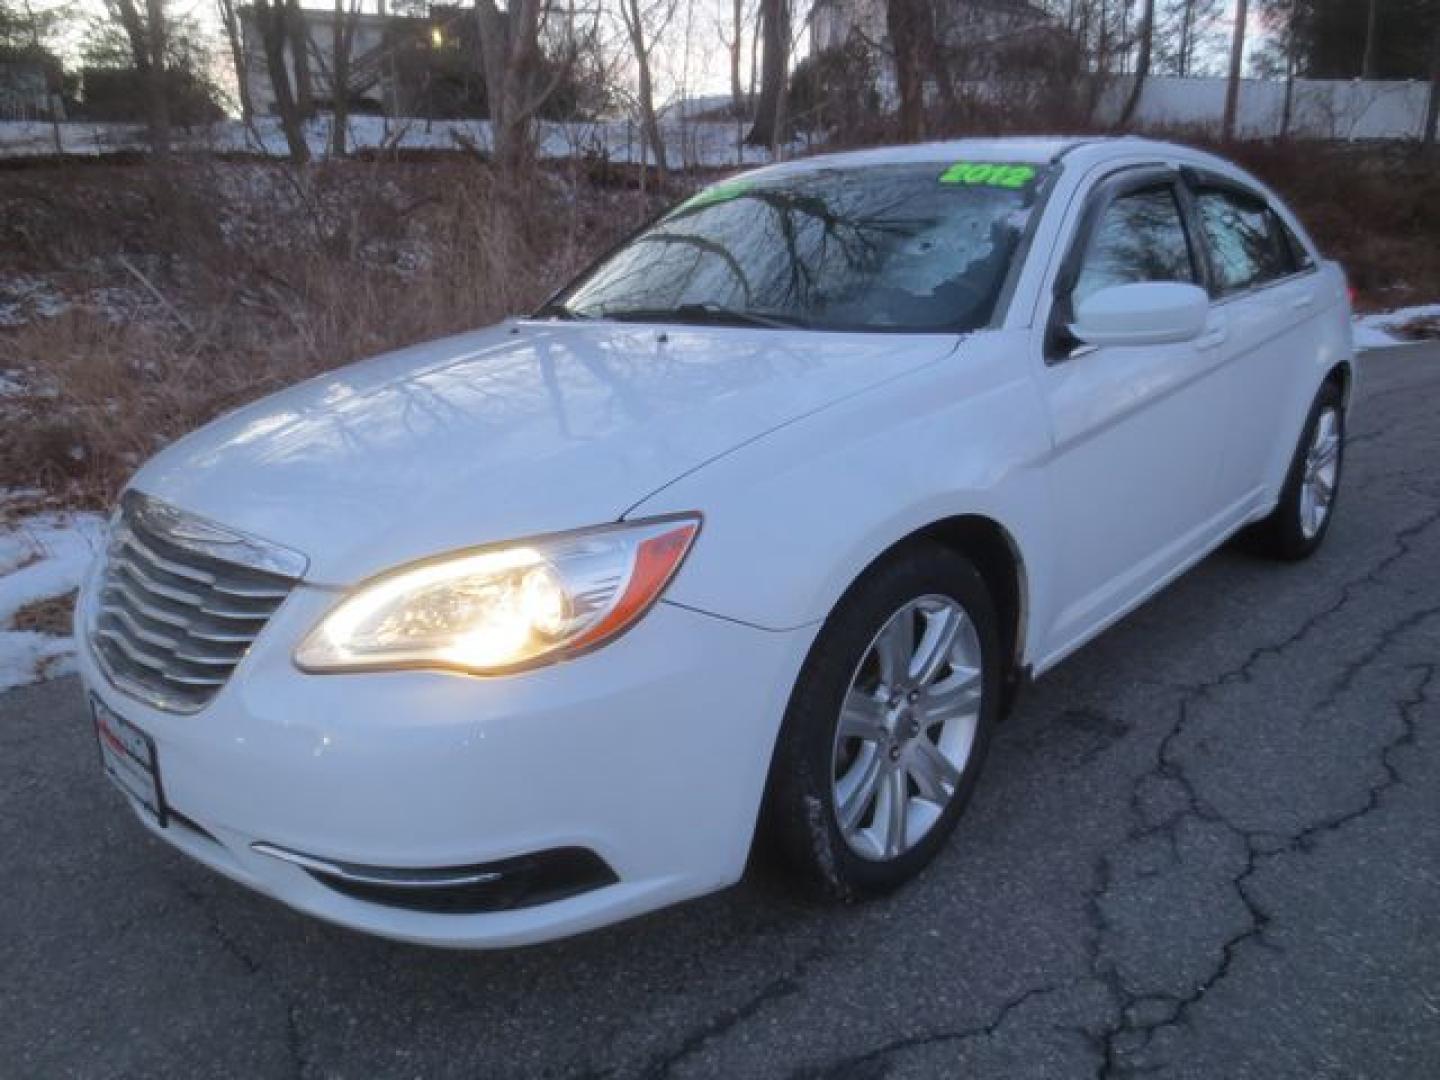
x: 650, y: 753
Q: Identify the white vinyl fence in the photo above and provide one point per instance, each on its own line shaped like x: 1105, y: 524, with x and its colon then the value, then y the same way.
x: 1332, y: 110
x: 1337, y: 109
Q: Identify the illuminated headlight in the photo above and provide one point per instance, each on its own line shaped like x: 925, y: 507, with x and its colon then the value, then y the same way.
x: 506, y: 608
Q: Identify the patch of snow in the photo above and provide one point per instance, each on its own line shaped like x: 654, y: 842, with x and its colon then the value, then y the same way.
x: 688, y: 142
x: 1372, y: 337
x: 24, y: 298
x: 41, y: 557
x: 27, y: 657
x: 1383, y: 329
x: 19, y: 495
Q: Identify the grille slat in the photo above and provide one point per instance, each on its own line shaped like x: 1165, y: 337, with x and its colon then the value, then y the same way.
x: 161, y: 590
x: 206, y: 578
x: 148, y: 637
x: 172, y: 621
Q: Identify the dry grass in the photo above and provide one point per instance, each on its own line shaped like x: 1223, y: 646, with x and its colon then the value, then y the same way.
x: 187, y: 291
x: 1423, y: 328
x: 195, y: 290
x: 53, y: 616
x: 1374, y: 208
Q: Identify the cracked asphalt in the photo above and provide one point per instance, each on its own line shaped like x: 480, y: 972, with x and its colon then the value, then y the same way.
x: 1206, y: 846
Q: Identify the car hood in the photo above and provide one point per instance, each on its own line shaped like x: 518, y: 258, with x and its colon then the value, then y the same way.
x: 517, y: 430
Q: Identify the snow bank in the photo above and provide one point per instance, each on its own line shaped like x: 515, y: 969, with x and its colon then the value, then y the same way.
x: 41, y: 557
x: 712, y: 143
x: 1384, y: 328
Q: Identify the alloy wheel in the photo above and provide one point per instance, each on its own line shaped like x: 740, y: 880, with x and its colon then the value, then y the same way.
x: 907, y: 727
x: 1322, y: 470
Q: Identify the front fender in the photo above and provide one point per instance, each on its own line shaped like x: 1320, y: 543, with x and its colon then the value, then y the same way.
x: 794, y: 518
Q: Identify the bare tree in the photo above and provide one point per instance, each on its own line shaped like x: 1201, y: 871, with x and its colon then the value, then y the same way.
x: 148, y: 39
x: 735, y: 45
x: 1142, y: 63
x: 299, y: 34
x: 230, y: 21
x: 1187, y: 25
x: 516, y: 84
x: 644, y: 26
x: 767, y: 129
x: 1289, y: 14
x: 1185, y: 34
x: 1432, y: 109
x: 271, y: 22
x: 157, y: 100
x: 1237, y: 55
x: 935, y: 46
x: 1369, y: 64
x: 342, y: 44
x: 905, y: 23
x: 131, y: 21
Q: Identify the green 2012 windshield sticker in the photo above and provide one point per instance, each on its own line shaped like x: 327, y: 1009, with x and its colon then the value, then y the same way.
x: 716, y: 193
x: 984, y: 174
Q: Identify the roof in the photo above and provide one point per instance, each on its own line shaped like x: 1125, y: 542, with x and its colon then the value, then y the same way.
x: 1028, y: 151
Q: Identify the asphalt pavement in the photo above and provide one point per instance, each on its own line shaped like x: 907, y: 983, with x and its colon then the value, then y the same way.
x: 1208, y: 845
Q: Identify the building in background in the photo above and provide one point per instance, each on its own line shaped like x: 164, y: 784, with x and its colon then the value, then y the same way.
x: 962, y: 26
x: 30, y: 85
x: 400, y: 65
x: 980, y: 40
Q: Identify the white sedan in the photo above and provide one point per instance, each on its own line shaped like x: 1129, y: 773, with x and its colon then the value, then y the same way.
x: 758, y: 525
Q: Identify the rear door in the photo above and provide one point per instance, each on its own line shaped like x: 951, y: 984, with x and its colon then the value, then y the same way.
x: 1138, y: 431
x: 1265, y: 285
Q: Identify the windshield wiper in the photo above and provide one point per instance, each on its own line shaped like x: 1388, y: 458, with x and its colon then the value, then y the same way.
x: 706, y: 314
x: 556, y: 310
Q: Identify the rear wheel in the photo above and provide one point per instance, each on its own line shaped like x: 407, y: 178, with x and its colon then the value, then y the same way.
x: 1297, y: 526
x: 888, y: 725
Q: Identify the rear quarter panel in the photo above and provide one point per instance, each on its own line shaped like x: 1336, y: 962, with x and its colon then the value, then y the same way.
x: 1329, y: 342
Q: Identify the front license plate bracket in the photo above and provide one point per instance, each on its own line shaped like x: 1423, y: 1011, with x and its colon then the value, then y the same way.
x: 127, y: 757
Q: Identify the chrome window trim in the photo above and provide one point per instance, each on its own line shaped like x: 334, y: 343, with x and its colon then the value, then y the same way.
x: 1253, y: 290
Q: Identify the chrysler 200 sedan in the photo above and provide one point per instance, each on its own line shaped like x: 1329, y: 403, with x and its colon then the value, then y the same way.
x: 757, y: 527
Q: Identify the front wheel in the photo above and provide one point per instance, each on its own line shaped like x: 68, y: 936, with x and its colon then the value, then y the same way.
x: 1297, y: 526
x: 888, y: 725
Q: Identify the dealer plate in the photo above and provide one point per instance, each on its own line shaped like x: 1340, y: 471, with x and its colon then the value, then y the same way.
x: 127, y: 755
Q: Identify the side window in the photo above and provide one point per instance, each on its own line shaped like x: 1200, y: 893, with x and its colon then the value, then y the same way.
x: 1140, y: 237
x: 1248, y: 243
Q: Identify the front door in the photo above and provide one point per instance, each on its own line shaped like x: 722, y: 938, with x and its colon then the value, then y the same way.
x: 1138, y: 431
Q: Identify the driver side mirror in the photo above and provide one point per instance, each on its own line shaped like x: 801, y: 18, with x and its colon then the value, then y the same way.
x: 1143, y: 313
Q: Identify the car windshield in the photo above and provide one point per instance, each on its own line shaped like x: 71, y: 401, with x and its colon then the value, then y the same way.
x: 922, y: 247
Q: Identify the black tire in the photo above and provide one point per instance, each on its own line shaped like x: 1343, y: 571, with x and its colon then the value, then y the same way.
x: 800, y: 817
x: 1283, y: 535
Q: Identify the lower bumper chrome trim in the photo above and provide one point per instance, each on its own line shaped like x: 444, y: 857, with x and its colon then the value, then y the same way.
x: 541, y: 877
x: 441, y: 878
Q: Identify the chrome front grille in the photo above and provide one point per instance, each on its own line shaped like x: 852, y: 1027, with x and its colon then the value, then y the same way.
x: 180, y: 601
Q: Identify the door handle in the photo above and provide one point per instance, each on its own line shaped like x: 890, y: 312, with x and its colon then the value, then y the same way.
x: 1301, y: 303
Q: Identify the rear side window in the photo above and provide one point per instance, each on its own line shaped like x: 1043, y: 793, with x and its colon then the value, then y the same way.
x: 1249, y: 244
x: 1140, y: 237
